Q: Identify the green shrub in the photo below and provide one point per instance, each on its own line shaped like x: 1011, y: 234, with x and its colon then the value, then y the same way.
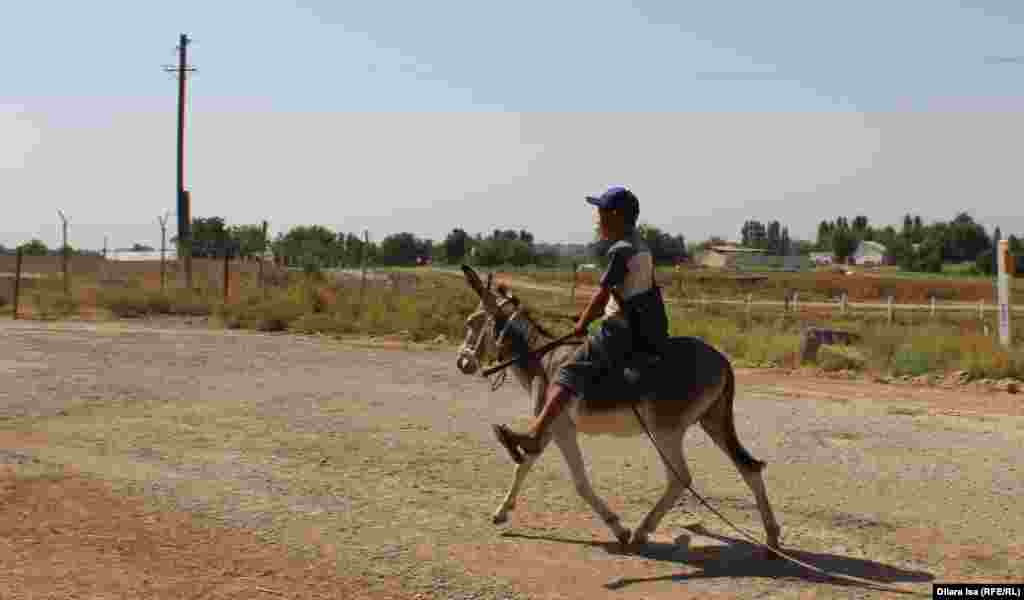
x: 840, y: 358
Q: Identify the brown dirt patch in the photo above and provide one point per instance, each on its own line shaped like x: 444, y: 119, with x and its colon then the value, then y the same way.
x: 66, y: 536
x: 957, y: 401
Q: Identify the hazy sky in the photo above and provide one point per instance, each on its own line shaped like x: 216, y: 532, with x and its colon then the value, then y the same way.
x: 423, y: 116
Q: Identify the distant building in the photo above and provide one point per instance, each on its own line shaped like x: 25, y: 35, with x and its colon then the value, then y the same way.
x: 726, y: 256
x: 870, y: 253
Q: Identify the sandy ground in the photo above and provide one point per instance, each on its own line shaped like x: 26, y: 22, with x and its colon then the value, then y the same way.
x: 178, y: 462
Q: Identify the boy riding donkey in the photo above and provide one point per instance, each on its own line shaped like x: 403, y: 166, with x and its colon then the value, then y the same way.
x: 635, y: 319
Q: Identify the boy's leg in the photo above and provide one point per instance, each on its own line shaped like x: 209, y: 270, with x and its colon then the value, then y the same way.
x: 530, y: 441
x: 602, y: 351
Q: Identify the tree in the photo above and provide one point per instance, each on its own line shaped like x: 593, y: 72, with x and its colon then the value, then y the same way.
x: 309, y: 246
x: 773, y: 238
x: 402, y: 249
x: 785, y: 245
x: 248, y: 239
x: 824, y: 240
x: 210, y: 237
x: 456, y: 245
x: 844, y: 243
x: 35, y: 247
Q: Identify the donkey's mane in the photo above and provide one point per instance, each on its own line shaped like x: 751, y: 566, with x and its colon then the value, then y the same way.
x: 525, y: 311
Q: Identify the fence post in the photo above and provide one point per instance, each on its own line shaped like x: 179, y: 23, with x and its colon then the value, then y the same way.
x: 750, y: 300
x: 933, y: 307
x: 981, y: 309
x: 227, y: 274
x: 796, y: 301
x: 17, y: 282
x: 362, y: 284
x: 843, y: 303
x: 572, y: 291
x: 890, y: 309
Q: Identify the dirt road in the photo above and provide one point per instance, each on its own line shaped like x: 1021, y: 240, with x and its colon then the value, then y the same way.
x: 177, y: 462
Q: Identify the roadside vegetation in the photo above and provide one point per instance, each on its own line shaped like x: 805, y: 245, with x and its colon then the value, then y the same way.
x: 424, y: 305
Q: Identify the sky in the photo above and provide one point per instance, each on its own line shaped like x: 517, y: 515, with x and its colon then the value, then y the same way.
x: 421, y: 117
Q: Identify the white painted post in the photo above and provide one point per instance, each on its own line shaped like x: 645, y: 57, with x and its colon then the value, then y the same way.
x: 750, y: 299
x: 890, y: 309
x: 981, y: 309
x: 843, y: 303
x: 1004, y: 292
x: 796, y: 300
x: 933, y: 307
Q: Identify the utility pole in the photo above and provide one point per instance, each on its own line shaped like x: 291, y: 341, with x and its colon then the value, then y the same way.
x: 183, y: 197
x: 64, y: 253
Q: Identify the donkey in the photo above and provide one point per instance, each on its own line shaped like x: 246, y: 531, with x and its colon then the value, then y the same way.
x: 692, y: 383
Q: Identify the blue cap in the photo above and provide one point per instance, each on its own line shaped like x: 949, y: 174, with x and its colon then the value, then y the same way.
x: 617, y: 198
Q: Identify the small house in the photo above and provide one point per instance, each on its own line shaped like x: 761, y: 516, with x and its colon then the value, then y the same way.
x: 870, y: 253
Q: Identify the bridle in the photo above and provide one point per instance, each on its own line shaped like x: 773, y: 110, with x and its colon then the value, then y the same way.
x: 469, y: 361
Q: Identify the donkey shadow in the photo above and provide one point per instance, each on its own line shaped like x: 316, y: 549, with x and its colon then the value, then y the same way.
x: 740, y: 558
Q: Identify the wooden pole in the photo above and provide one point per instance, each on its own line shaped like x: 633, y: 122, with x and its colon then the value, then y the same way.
x: 843, y: 303
x: 263, y: 254
x: 572, y: 292
x: 933, y: 306
x: 890, y: 309
x: 366, y: 251
x: 227, y: 274
x: 163, y: 253
x: 17, y: 282
x: 64, y: 251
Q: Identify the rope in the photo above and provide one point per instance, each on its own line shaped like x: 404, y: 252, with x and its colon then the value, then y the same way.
x: 820, y: 571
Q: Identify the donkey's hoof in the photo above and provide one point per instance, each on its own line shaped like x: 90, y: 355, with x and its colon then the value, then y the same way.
x: 640, y: 538
x: 500, y: 518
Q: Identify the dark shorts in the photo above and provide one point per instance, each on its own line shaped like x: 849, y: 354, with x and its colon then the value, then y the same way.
x: 606, y: 349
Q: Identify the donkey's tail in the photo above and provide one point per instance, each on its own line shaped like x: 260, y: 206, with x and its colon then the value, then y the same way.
x: 719, y: 423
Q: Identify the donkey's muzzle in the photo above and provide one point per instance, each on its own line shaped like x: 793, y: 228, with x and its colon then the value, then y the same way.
x: 467, y: 364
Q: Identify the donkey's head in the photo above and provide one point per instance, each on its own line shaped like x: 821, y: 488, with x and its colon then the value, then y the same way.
x: 498, y: 327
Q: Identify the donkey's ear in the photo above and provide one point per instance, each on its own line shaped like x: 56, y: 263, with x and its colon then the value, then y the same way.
x: 478, y: 286
x: 474, y: 280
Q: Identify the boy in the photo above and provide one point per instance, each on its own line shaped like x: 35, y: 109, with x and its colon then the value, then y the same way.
x: 634, y: 314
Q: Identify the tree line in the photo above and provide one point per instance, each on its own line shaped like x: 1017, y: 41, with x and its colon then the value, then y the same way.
x: 917, y: 246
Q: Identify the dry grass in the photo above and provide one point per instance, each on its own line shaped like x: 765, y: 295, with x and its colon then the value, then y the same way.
x: 422, y: 305
x: 817, y: 285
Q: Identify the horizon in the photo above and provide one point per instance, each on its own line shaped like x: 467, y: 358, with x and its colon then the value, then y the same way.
x: 352, y: 119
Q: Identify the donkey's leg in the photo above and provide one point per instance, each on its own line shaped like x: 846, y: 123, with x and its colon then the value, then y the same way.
x: 671, y: 443
x: 565, y: 438
x: 522, y: 469
x: 722, y: 431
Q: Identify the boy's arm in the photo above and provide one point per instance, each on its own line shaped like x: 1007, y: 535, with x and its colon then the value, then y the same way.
x: 593, y: 310
x: 615, y: 274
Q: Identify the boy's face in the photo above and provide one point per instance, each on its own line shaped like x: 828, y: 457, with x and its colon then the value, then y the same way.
x: 610, y: 224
